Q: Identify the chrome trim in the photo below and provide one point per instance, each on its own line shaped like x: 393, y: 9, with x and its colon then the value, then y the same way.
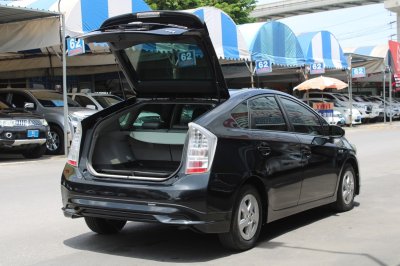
x: 19, y: 142
x: 128, y: 177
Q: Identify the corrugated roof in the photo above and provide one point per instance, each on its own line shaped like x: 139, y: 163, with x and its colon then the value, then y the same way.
x: 10, y: 14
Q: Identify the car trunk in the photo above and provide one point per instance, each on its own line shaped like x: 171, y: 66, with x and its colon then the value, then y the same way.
x: 145, y: 141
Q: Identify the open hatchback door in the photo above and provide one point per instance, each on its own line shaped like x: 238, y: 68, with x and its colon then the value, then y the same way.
x: 164, y: 54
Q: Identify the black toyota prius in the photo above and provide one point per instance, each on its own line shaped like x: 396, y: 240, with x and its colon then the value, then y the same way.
x: 185, y: 151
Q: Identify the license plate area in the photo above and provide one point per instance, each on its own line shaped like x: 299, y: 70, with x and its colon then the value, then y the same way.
x: 33, y: 134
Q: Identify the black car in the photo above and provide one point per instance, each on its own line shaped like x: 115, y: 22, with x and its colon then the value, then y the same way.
x: 185, y: 151
x: 22, y: 132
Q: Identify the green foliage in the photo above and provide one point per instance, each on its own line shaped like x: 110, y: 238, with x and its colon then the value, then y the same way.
x: 238, y: 10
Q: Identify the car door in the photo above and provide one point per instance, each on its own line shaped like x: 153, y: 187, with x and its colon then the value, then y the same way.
x: 277, y: 157
x: 319, y: 153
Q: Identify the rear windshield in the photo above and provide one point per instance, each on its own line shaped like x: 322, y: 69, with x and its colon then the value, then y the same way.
x: 53, y: 99
x: 168, y: 61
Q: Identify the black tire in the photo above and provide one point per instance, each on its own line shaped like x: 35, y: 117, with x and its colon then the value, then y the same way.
x: 55, y: 145
x: 104, y: 226
x: 346, y: 190
x: 35, y: 153
x: 235, y: 239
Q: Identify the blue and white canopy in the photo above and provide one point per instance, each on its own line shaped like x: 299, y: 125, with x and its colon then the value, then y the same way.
x: 377, y: 51
x: 83, y: 15
x: 227, y: 40
x: 322, y: 47
x: 273, y: 41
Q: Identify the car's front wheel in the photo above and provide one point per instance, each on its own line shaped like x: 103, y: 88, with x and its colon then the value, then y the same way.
x: 246, y: 221
x: 346, y: 190
x: 104, y: 226
x: 55, y: 144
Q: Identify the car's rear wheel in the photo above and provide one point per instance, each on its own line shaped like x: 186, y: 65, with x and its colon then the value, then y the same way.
x: 55, y: 144
x: 346, y: 190
x: 246, y: 221
x: 104, y: 226
x: 34, y: 153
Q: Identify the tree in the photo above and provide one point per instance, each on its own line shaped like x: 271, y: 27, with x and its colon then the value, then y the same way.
x: 238, y: 10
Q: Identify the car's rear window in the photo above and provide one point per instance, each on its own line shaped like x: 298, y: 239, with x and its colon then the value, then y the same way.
x: 168, y: 61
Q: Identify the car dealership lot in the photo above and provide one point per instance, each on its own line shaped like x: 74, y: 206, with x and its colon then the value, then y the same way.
x: 34, y: 231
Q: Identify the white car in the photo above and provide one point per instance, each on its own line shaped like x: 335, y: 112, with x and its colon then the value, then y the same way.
x: 97, y: 101
x: 341, y: 109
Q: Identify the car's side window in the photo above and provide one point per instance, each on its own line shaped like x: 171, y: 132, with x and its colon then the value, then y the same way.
x: 265, y: 113
x: 259, y: 113
x: 240, y: 115
x: 19, y: 100
x: 84, y: 101
x: 302, y: 119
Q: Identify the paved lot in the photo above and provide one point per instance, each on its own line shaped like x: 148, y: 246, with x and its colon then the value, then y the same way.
x: 33, y: 230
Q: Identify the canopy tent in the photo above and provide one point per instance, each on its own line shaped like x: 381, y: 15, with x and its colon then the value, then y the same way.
x: 227, y: 40
x: 25, y: 28
x: 322, y: 47
x: 373, y: 58
x: 273, y: 41
x: 83, y: 15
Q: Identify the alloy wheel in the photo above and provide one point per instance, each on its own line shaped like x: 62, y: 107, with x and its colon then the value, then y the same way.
x: 54, y: 142
x: 348, y: 187
x: 248, y: 217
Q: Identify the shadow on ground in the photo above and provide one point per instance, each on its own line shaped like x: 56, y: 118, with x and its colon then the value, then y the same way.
x: 169, y: 244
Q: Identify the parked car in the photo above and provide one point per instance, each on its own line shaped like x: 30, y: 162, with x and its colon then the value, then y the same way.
x: 392, y: 110
x: 369, y: 111
x: 341, y: 109
x: 334, y: 118
x: 49, y: 104
x: 214, y: 161
x: 22, y: 132
x: 97, y: 101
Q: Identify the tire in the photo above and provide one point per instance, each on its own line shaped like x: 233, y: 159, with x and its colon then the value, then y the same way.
x: 55, y: 145
x: 244, y: 237
x: 104, y: 226
x: 35, y: 153
x: 346, y: 190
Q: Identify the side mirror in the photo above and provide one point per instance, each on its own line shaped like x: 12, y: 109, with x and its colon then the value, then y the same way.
x: 336, y: 131
x: 29, y: 106
x: 91, y: 106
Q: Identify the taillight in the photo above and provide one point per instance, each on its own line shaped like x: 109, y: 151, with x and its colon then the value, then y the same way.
x: 73, y: 155
x: 201, y: 149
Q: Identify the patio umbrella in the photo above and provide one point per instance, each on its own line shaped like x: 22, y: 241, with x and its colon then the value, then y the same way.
x: 321, y: 83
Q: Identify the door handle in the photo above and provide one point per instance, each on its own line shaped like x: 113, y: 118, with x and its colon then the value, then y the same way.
x: 264, y: 149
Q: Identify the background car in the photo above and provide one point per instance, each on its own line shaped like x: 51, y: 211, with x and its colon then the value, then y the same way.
x: 213, y: 161
x: 97, y: 101
x: 22, y: 132
x: 49, y: 104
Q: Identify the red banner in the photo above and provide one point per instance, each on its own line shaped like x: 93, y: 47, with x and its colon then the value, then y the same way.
x: 394, y: 48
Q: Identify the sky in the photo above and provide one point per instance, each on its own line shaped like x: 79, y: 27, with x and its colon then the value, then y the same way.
x: 353, y: 27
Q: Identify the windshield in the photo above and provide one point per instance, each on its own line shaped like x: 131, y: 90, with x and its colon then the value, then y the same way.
x: 3, y: 105
x: 53, y: 99
x: 106, y: 100
x: 168, y: 61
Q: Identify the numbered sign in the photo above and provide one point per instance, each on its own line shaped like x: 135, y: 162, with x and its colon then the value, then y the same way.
x: 75, y: 46
x: 263, y: 66
x: 317, y: 68
x: 358, y: 72
x: 324, y: 109
x: 186, y: 59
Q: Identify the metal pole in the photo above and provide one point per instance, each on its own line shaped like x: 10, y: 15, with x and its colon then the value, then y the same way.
x: 390, y: 92
x: 251, y: 74
x: 350, y: 86
x: 384, y: 95
x: 64, y: 67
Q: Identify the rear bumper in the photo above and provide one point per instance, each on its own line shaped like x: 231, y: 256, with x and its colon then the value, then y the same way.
x: 179, y: 205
